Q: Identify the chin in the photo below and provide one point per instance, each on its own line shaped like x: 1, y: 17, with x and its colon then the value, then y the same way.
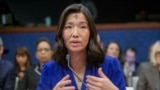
x: 76, y: 49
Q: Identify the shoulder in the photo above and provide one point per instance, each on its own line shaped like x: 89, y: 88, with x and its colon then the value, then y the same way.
x: 50, y: 66
x: 111, y: 66
x: 146, y: 66
x: 110, y: 61
x: 50, y: 72
x: 7, y: 64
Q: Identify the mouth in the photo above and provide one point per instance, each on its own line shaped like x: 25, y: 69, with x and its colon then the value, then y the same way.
x: 75, y: 43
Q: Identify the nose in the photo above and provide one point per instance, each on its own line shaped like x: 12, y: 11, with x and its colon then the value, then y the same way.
x: 43, y: 51
x: 75, y: 33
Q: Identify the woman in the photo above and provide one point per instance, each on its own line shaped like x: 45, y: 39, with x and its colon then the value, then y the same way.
x: 22, y: 61
x: 113, y: 49
x: 43, y: 54
x: 149, y: 78
x: 78, y: 58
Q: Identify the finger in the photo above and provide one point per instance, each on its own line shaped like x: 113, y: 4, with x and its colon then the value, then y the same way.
x: 63, y: 83
x: 92, y: 87
x: 68, y: 88
x: 65, y: 78
x: 96, y: 84
x: 100, y: 73
x: 94, y: 79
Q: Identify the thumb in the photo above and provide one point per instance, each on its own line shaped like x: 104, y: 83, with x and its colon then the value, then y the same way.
x: 100, y: 73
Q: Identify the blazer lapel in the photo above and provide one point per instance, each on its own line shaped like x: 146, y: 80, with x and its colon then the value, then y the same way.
x: 155, y: 77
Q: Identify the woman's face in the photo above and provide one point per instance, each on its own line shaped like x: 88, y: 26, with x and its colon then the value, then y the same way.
x: 113, y: 50
x: 21, y: 60
x: 157, y: 55
x: 76, y: 32
x: 44, y: 52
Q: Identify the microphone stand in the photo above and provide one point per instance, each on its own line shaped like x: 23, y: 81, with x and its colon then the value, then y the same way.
x: 68, y: 60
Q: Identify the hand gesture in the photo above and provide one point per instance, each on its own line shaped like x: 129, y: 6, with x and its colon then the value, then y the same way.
x: 100, y: 83
x: 61, y: 85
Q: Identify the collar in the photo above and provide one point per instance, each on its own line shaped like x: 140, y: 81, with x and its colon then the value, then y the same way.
x: 37, y: 70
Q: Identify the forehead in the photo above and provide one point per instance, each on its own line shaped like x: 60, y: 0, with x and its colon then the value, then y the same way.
x: 130, y: 52
x: 158, y: 48
x: 43, y: 44
x: 76, y: 17
x: 113, y: 45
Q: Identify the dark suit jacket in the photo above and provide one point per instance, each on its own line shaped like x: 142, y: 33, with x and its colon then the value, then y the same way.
x: 149, y: 78
x: 31, y: 79
x: 7, y: 75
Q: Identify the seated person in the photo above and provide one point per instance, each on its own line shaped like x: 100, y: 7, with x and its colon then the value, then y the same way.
x: 113, y: 49
x: 22, y: 62
x: 131, y: 65
x: 79, y: 61
x: 7, y: 72
x: 44, y: 54
x: 149, y: 78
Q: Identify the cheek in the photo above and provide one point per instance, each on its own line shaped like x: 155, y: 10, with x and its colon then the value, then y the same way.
x: 65, y: 37
x: 86, y: 36
x: 37, y: 55
x: 110, y: 50
x: 49, y: 55
x: 158, y: 59
x: 118, y: 52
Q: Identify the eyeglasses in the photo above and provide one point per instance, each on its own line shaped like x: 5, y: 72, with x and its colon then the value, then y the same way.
x: 157, y: 54
x: 44, y: 49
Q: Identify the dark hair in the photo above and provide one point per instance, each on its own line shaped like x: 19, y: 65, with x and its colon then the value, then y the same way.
x: 22, y: 51
x: 131, y: 49
x: 44, y: 39
x: 95, y: 54
x: 120, y: 51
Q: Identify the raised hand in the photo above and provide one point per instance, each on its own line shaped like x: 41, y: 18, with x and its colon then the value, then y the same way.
x: 100, y: 83
x: 61, y: 85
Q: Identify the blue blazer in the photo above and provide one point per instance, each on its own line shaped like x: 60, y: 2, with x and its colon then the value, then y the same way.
x: 52, y: 73
x: 7, y: 75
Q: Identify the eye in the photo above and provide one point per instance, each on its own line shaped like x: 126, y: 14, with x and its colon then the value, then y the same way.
x: 68, y: 27
x: 83, y: 26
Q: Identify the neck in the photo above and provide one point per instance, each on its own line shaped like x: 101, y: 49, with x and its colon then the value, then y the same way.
x: 22, y: 68
x: 40, y: 65
x: 78, y: 62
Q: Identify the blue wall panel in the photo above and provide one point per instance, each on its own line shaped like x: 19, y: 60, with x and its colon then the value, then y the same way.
x: 12, y: 41
x: 140, y: 39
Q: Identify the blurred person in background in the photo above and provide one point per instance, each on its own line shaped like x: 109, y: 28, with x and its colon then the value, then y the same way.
x: 113, y: 49
x: 131, y: 65
x: 149, y: 77
x: 43, y: 54
x: 7, y: 71
x: 22, y: 62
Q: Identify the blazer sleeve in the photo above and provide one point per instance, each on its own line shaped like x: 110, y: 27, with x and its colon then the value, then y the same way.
x: 115, y: 73
x: 10, y: 79
x: 142, y: 82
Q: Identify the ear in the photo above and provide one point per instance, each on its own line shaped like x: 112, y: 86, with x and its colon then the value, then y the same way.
x: 1, y: 50
x: 36, y: 55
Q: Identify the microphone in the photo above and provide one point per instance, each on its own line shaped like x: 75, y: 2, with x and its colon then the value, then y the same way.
x: 68, y: 61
